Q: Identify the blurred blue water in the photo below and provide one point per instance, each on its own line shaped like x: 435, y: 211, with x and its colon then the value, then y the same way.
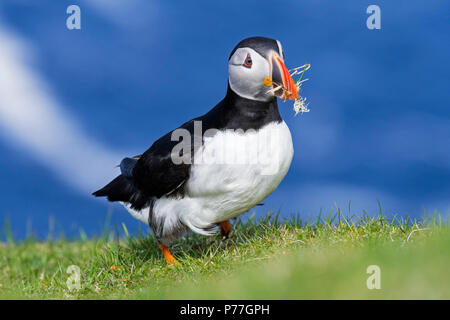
x: 379, y: 126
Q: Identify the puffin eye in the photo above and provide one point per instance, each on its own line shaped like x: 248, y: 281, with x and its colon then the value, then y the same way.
x: 248, y: 61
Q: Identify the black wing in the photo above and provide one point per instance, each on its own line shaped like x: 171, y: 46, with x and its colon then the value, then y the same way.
x: 152, y: 174
x: 155, y: 173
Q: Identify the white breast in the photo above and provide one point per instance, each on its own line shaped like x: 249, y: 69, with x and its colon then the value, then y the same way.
x: 231, y: 173
x: 235, y: 170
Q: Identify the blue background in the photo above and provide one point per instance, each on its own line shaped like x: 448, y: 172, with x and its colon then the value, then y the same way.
x: 379, y: 126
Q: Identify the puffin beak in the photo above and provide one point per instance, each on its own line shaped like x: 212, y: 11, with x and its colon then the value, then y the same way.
x: 281, y: 76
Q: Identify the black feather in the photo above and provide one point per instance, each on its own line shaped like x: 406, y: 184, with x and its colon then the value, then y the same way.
x: 122, y: 189
x: 127, y: 166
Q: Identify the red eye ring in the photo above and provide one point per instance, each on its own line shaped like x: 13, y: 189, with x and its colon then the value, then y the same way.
x: 248, y: 61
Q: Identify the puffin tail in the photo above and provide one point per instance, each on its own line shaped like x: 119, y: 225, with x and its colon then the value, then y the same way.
x: 122, y: 189
x: 117, y: 190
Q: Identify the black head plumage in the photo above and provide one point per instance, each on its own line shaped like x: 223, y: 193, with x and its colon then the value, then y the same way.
x: 261, y: 45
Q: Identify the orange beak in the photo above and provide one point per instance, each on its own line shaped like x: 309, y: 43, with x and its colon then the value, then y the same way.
x: 281, y: 76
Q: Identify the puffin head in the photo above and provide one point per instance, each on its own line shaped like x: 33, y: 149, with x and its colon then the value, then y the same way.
x: 256, y: 67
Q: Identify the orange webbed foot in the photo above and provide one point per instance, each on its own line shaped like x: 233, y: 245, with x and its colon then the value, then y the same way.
x: 170, y: 260
x: 225, y: 229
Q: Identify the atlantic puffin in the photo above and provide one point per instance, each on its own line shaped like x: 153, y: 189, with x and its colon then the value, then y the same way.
x: 220, y: 165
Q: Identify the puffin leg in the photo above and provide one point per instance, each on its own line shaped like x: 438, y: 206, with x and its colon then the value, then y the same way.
x: 170, y: 260
x: 225, y: 229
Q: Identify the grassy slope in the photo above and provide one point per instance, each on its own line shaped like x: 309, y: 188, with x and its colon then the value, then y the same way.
x: 265, y: 259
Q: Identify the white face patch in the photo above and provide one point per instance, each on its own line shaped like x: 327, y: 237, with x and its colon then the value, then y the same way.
x: 248, y: 82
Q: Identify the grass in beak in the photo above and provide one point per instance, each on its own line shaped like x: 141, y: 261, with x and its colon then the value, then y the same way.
x: 300, y: 105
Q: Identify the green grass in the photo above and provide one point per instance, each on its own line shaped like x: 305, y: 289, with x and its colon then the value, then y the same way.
x: 264, y: 259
